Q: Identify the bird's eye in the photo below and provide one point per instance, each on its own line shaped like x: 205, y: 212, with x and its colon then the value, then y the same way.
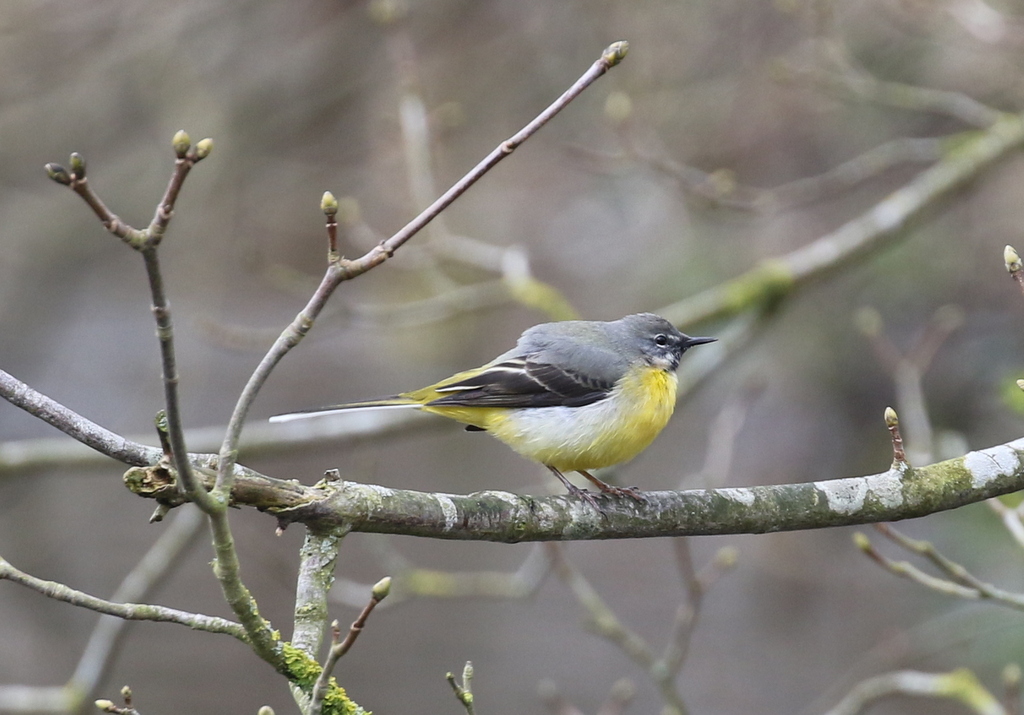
x: 661, y: 339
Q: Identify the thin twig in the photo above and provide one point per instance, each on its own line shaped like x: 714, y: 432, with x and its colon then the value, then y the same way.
x: 960, y: 583
x: 146, y: 241
x: 603, y: 621
x: 340, y: 647
x: 417, y: 582
x: 464, y: 690
x: 97, y: 445
x: 260, y: 635
x: 849, y: 79
x: 127, y: 611
x: 148, y: 574
x: 1011, y: 519
x: 892, y: 421
x: 74, y: 425
x: 720, y: 188
x: 907, y: 370
x: 343, y: 269
x: 768, y: 283
x: 959, y: 685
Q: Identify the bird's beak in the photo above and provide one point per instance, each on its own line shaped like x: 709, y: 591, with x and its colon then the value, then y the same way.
x: 690, y: 342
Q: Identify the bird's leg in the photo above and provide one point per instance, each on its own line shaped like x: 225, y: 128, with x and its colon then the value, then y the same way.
x: 575, y: 490
x: 631, y: 492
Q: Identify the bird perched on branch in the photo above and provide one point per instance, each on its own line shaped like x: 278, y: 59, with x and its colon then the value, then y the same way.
x: 575, y: 395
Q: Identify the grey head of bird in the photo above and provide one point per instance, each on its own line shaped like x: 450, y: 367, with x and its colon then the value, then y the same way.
x: 653, y: 340
x: 604, y: 351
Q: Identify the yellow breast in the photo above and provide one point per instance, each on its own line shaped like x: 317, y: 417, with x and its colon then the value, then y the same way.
x: 601, y: 434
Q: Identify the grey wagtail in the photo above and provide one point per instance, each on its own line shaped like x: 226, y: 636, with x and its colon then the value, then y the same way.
x: 574, y: 395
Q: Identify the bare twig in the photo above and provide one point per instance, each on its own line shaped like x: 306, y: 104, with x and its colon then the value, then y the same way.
x: 892, y: 421
x: 725, y: 429
x: 767, y: 284
x: 464, y: 690
x: 959, y: 685
x: 721, y: 188
x: 846, y: 78
x: 1011, y: 519
x: 108, y: 634
x: 960, y: 582
x: 908, y: 368
x: 127, y: 611
x: 151, y: 571
x: 260, y: 635
x: 416, y: 582
x: 146, y: 242
x: 262, y: 439
x: 74, y: 425
x: 697, y: 584
x: 340, y: 647
x: 603, y: 621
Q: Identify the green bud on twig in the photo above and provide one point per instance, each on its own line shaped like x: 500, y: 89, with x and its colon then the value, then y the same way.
x: 58, y: 173
x: 329, y: 204
x: 615, y: 53
x: 203, y: 148
x: 181, y: 143
x: 104, y: 705
x: 382, y: 588
x: 1012, y: 259
x: 77, y: 162
x: 891, y: 418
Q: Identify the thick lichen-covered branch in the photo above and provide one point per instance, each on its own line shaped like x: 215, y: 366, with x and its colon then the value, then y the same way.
x: 899, y: 493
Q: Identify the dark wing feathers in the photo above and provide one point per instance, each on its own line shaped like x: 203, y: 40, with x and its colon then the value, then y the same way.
x: 523, y: 382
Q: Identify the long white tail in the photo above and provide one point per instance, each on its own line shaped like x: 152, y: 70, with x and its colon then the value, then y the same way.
x: 353, y: 407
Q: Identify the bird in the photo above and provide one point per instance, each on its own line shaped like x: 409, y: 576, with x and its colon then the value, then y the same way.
x: 574, y: 395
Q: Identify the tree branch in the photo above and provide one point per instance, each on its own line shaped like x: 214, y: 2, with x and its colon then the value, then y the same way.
x: 500, y: 516
x: 127, y: 611
x: 775, y: 278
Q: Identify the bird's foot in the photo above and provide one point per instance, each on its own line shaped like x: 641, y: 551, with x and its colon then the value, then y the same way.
x: 633, y: 493
x: 576, y: 491
x: 586, y: 496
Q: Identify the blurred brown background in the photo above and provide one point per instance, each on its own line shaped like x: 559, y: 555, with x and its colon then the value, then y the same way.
x: 304, y: 96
